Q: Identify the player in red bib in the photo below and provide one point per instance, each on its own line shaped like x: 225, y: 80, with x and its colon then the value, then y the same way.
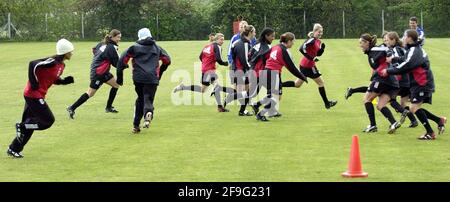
x: 42, y: 74
x: 271, y: 76
x: 311, y: 50
x: 210, y: 54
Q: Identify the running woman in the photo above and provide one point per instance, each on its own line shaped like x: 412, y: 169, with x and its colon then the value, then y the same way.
x: 271, y: 76
x: 235, y: 38
x: 147, y: 72
x: 362, y: 89
x: 42, y: 74
x: 383, y: 87
x: 210, y: 54
x: 416, y: 64
x: 392, y: 41
x: 105, y: 55
x: 239, y: 76
x: 258, y: 56
x: 311, y: 50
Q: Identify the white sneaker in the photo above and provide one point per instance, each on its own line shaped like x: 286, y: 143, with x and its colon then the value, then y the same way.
x: 14, y: 154
x: 148, y: 119
x: 370, y: 129
x: 394, y: 127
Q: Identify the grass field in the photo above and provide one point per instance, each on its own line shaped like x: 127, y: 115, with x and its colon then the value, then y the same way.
x: 195, y: 143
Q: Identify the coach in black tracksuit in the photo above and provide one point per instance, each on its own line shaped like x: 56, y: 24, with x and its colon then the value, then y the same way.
x: 42, y: 74
x: 146, y: 74
x: 105, y: 55
x: 417, y: 65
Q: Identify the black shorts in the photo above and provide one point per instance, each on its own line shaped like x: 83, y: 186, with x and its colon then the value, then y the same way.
x: 382, y: 88
x: 100, y: 79
x: 404, y: 92
x: 312, y: 73
x: 208, y: 78
x: 271, y: 79
x: 239, y: 77
x: 421, y: 95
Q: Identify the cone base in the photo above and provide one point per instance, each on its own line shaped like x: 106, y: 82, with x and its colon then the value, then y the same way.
x: 354, y: 175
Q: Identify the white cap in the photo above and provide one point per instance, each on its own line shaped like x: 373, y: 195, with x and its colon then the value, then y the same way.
x: 144, y: 33
x: 63, y: 46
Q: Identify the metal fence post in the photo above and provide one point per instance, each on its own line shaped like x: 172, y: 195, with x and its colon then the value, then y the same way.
x: 82, y: 25
x: 382, y: 21
x: 343, y: 24
x: 304, y: 23
x: 9, y: 25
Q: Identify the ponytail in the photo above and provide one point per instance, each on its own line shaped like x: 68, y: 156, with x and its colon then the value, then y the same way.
x: 394, y: 36
x: 288, y: 36
x: 111, y: 34
x: 247, y: 30
x: 316, y: 28
x: 372, y: 39
x: 266, y: 32
x: 218, y: 36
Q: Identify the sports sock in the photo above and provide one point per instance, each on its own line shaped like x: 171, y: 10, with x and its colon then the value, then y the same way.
x: 411, y: 116
x: 431, y: 116
x: 387, y: 113
x: 323, y: 94
x: 288, y: 84
x: 83, y: 98
x: 422, y: 116
x: 112, y: 96
x: 371, y: 113
x: 398, y: 108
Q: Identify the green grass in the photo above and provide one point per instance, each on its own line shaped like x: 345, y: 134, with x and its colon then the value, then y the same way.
x: 195, y: 143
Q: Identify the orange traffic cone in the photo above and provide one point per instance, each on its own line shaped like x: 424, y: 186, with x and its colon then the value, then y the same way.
x: 354, y: 166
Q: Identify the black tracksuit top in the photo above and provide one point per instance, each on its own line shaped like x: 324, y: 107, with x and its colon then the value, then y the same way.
x: 105, y: 55
x: 415, y: 62
x: 146, y: 56
x: 377, y: 60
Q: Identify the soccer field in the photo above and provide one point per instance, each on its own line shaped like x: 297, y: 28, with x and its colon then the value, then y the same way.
x: 196, y: 143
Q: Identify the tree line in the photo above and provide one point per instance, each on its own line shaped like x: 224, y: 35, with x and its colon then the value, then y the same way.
x: 195, y: 19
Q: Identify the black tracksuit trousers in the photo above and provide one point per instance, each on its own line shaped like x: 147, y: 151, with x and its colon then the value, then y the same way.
x: 36, y: 116
x: 144, y: 102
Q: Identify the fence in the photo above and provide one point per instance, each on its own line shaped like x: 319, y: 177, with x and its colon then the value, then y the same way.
x: 91, y: 26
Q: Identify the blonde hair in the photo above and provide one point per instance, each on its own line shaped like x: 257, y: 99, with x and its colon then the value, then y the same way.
x: 247, y: 30
x: 217, y: 36
x: 242, y: 23
x: 316, y: 27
